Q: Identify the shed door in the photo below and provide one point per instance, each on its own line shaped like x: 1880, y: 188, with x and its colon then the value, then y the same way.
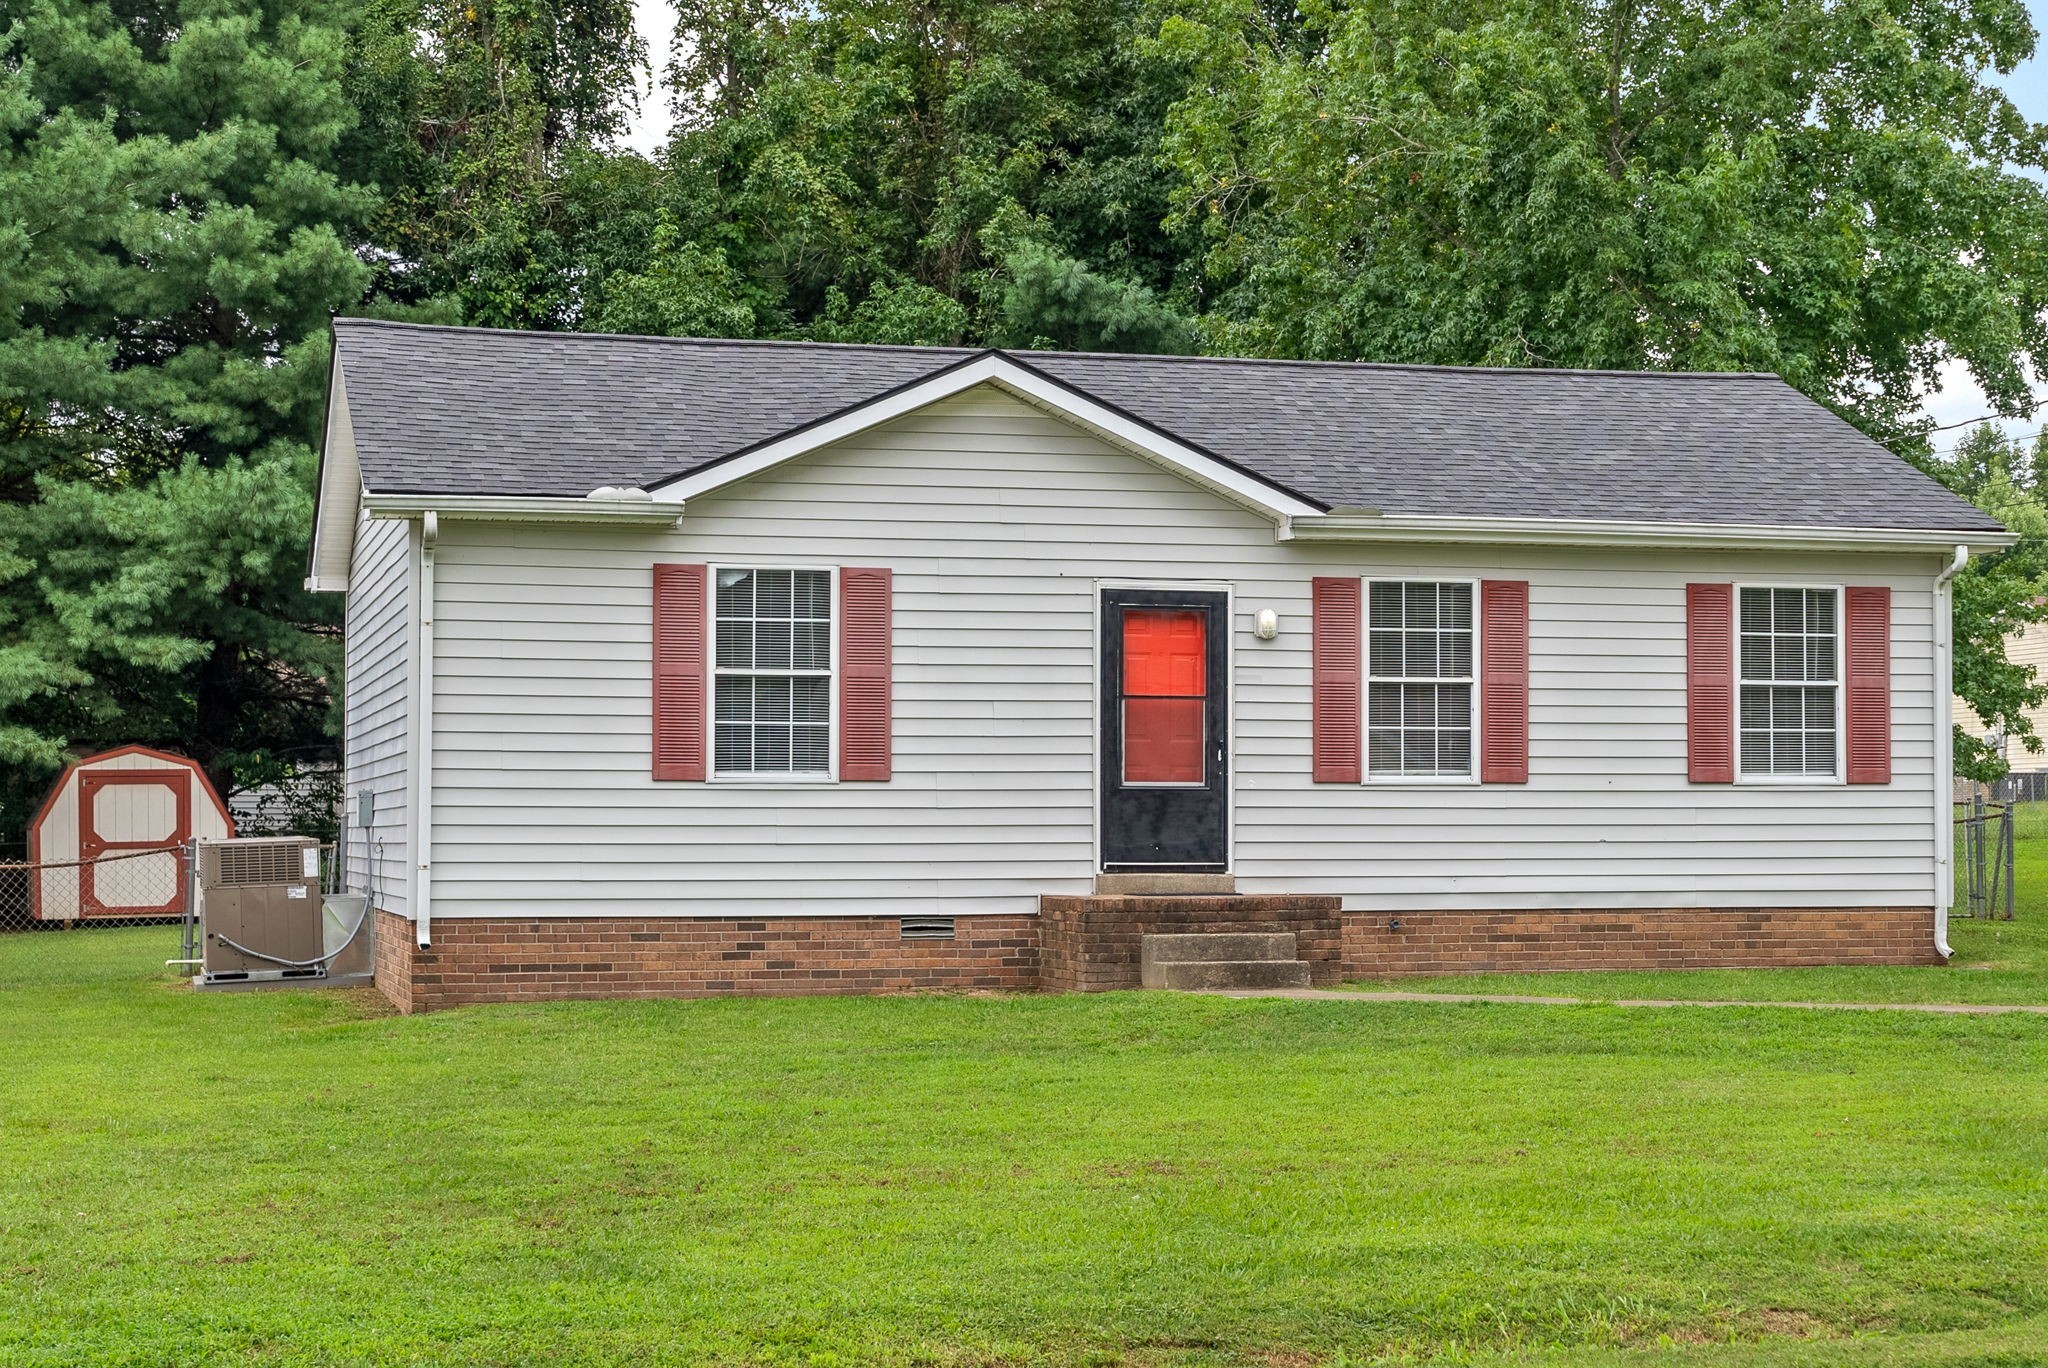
x: 1165, y: 742
x: 143, y: 811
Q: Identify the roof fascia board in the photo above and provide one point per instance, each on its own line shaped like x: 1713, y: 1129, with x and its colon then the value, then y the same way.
x: 526, y: 508
x: 337, y: 492
x: 1597, y: 532
x: 1040, y: 390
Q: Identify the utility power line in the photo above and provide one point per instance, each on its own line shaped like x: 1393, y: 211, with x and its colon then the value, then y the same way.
x: 1965, y: 422
x: 2016, y: 437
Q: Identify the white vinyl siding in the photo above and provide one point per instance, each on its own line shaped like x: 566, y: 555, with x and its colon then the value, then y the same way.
x: 377, y: 681
x: 999, y: 520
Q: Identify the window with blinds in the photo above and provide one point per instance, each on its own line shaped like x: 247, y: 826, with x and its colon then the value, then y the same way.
x: 1788, y: 654
x: 772, y: 667
x: 1419, y: 680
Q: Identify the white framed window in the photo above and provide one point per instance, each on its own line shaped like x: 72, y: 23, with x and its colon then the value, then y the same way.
x: 1788, y: 654
x: 771, y: 664
x: 1420, y: 700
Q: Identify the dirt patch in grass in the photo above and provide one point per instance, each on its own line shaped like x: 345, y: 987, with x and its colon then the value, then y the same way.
x: 1776, y: 1320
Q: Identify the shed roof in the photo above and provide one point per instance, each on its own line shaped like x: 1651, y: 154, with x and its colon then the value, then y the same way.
x: 473, y: 411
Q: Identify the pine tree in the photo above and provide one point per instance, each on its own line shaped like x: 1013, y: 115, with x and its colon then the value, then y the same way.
x: 171, y: 247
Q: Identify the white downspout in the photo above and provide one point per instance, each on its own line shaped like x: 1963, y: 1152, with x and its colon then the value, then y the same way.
x: 423, y: 775
x: 1944, y: 749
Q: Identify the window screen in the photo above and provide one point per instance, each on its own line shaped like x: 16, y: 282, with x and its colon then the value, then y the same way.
x: 773, y: 668
x: 1419, y: 679
x: 1788, y: 649
x: 1165, y: 704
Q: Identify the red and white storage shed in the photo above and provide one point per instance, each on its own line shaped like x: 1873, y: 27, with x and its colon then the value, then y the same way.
x: 107, y: 841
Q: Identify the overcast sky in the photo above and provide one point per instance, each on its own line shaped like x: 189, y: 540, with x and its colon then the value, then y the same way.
x: 1959, y: 397
x: 656, y: 20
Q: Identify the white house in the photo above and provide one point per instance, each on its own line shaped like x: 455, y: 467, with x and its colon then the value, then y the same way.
x: 693, y: 666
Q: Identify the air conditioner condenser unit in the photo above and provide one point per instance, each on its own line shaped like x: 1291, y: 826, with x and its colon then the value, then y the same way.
x: 260, y: 910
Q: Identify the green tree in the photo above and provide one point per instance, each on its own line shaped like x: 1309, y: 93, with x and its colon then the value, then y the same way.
x: 1054, y: 301
x: 685, y: 290
x: 474, y: 116
x: 905, y: 315
x: 170, y: 252
x: 1827, y: 190
x: 875, y: 169
x: 1999, y: 594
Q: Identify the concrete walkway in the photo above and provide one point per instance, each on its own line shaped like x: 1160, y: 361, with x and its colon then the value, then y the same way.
x: 1342, y: 995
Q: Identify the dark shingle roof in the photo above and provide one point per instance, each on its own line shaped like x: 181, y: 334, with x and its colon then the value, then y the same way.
x: 476, y: 411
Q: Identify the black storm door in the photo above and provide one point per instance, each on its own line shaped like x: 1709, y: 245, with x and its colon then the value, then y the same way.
x: 1165, y: 731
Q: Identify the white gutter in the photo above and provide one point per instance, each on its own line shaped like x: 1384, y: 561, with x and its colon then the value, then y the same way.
x: 1944, y: 749
x: 630, y: 507
x: 1363, y: 525
x: 423, y: 742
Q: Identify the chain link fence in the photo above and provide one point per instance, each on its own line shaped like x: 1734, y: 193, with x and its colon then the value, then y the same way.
x: 1989, y: 821
x: 74, y: 921
x: 1984, y: 863
x: 116, y: 917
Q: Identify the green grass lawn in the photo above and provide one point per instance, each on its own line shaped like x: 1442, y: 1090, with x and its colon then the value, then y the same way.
x: 1151, y: 1179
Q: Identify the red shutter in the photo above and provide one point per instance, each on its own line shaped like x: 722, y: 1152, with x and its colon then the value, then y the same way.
x: 1334, y: 664
x: 1504, y: 682
x: 680, y: 611
x: 1867, y: 616
x: 864, y: 650
x: 1710, y: 683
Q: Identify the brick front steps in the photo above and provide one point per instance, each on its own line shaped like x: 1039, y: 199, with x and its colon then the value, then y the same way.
x: 1091, y: 944
x: 1221, y: 961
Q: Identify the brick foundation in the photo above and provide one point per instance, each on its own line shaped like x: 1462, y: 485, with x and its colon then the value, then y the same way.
x: 1090, y: 944
x: 523, y: 959
x: 394, y: 952
x: 1682, y: 938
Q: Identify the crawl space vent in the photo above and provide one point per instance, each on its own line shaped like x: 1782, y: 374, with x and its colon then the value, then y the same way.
x: 927, y: 928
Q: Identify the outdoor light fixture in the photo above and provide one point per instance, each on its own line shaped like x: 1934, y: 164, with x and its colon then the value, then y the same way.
x: 1267, y: 624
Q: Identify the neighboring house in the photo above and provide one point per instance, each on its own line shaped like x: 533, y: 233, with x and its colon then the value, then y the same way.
x: 688, y: 667
x: 2027, y: 646
x: 298, y: 806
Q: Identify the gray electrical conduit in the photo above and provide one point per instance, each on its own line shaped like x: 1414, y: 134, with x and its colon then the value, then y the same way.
x: 316, y: 963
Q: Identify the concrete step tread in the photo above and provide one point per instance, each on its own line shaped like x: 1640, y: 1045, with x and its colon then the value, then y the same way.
x: 1198, y: 976
x: 1164, y: 885
x: 1216, y: 946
